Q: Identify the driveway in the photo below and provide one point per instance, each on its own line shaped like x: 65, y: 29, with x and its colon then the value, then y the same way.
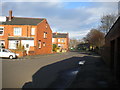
x: 17, y: 72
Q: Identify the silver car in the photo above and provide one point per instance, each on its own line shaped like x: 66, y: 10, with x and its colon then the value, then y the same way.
x: 5, y: 53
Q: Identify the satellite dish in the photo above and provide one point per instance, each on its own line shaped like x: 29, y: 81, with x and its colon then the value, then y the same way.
x: 2, y: 19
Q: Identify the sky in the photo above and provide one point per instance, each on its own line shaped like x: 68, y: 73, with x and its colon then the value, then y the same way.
x: 76, y: 17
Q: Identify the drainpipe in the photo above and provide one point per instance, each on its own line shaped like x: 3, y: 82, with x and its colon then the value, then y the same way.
x: 27, y: 30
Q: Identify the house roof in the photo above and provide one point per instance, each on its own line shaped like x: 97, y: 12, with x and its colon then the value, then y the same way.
x: 60, y: 35
x: 22, y: 21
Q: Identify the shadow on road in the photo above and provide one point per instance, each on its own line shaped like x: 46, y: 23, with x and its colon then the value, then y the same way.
x: 48, y: 74
x: 93, y: 74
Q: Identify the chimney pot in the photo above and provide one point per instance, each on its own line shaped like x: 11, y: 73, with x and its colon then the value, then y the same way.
x: 10, y: 15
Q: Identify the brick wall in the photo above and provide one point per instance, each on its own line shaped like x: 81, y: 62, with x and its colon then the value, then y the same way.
x: 26, y: 32
x: 41, y: 28
x: 111, y: 50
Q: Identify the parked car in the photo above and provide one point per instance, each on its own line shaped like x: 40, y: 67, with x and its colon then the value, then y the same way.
x: 5, y: 53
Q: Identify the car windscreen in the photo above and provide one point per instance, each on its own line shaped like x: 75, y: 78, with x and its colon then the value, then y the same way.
x: 5, y: 50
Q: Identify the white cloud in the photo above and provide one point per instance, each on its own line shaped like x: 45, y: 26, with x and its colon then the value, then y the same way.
x: 79, y: 34
x: 61, y: 19
x: 60, y: 0
x: 31, y: 0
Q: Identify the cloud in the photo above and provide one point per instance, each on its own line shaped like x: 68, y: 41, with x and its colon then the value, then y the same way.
x: 61, y: 16
x: 60, y: 0
x: 79, y: 34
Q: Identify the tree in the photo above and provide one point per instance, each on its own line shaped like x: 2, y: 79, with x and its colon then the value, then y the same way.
x: 106, y: 22
x: 95, y: 38
x: 73, y: 43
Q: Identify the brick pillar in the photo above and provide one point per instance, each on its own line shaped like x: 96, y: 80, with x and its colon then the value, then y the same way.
x: 6, y: 42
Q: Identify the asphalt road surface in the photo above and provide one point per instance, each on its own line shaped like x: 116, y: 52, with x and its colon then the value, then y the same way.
x: 57, y: 71
x: 16, y: 72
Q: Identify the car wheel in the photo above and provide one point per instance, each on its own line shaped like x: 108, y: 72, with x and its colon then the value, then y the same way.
x: 11, y: 57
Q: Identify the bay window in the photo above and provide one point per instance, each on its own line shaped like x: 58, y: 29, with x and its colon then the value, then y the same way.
x: 1, y: 30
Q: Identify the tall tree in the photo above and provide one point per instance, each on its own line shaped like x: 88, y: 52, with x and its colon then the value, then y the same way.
x: 73, y: 43
x: 95, y: 38
x: 106, y: 22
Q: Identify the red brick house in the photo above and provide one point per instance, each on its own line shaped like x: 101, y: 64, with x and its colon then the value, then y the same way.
x: 61, y: 40
x: 34, y: 34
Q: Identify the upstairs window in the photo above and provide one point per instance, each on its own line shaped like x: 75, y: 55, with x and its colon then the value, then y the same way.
x: 58, y: 40
x: 39, y: 44
x: 63, y: 40
x: 17, y: 31
x: 45, y: 34
x: 53, y: 39
x: 1, y: 30
x: 33, y: 31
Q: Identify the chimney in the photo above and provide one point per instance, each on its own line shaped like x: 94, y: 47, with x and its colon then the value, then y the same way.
x: 10, y: 15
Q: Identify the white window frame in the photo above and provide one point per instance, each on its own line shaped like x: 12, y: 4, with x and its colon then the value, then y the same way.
x: 45, y: 35
x: 13, y: 44
x: 2, y: 30
x: 17, y: 31
x: 53, y: 39
x: 63, y: 40
x: 32, y: 31
x: 39, y: 44
x: 59, y: 40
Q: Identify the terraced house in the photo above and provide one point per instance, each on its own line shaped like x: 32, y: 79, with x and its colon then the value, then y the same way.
x: 61, y: 40
x: 34, y: 34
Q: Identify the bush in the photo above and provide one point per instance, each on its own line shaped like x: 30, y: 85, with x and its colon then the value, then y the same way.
x: 55, y: 48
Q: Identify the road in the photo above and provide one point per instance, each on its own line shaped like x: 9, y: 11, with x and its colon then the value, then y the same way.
x: 16, y: 72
